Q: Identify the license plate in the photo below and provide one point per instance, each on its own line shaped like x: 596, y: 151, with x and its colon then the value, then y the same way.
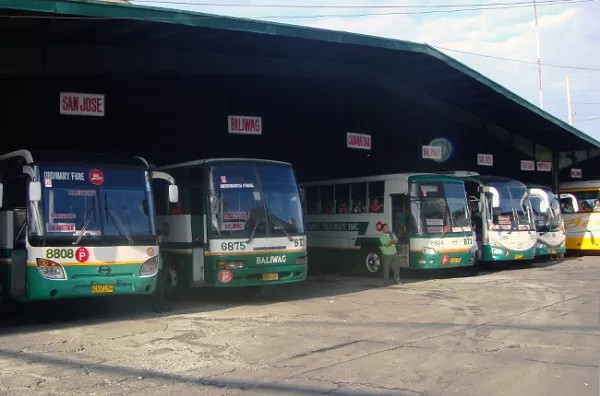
x: 553, y: 251
x: 270, y: 276
x: 455, y: 260
x: 518, y: 256
x: 99, y: 289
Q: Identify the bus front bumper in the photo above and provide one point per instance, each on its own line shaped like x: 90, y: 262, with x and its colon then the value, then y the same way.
x: 85, y: 281
x: 498, y: 253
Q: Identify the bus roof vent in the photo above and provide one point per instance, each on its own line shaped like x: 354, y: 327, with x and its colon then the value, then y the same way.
x: 459, y: 173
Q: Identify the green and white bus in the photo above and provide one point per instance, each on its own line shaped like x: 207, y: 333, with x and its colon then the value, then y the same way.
x: 549, y: 224
x: 502, y: 217
x: 239, y: 223
x: 427, y: 212
x: 74, y: 227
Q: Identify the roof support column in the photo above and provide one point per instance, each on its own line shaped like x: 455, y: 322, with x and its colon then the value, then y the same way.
x: 555, y: 172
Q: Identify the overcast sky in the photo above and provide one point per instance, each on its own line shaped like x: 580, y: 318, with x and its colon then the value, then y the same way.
x: 569, y: 35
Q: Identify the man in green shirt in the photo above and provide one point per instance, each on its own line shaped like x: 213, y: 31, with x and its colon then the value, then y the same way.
x: 389, y: 255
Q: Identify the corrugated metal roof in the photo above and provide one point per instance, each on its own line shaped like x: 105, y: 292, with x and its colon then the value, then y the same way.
x: 464, y: 93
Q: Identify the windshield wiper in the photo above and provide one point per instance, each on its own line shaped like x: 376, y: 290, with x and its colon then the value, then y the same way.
x: 117, y: 221
x: 259, y: 219
x: 281, y: 227
x: 86, y: 223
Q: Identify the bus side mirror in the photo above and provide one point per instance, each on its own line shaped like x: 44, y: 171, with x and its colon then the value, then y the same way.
x: 302, y: 195
x: 173, y: 193
x: 35, y: 191
x: 1, y: 193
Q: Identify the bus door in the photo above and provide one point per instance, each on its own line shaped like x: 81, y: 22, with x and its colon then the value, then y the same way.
x: 400, y: 226
x: 19, y: 255
x: 14, y: 235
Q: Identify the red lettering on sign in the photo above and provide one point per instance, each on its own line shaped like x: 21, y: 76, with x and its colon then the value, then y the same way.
x: 243, y: 124
x: 82, y: 255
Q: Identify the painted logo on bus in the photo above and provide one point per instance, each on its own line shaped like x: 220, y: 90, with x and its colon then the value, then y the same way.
x: 360, y: 227
x: 271, y: 260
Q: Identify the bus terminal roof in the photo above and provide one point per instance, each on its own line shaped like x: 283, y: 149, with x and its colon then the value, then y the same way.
x: 97, y: 37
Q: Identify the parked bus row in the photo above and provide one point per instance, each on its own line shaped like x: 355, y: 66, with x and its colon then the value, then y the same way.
x: 94, y: 227
x: 451, y: 219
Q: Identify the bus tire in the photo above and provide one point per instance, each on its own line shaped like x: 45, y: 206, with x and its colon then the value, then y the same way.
x: 474, y: 269
x: 370, y: 261
x: 173, y: 280
x: 157, y: 299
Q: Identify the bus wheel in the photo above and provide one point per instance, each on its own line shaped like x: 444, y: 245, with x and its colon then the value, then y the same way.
x: 474, y: 270
x: 371, y: 260
x: 172, y: 280
x: 157, y: 299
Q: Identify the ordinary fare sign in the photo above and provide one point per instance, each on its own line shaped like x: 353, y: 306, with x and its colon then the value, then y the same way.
x: 83, y: 104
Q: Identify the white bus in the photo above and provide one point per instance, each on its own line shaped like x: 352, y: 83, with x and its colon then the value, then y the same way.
x: 502, y: 216
x: 427, y: 212
x: 239, y: 224
x: 548, y: 222
x: 74, y: 228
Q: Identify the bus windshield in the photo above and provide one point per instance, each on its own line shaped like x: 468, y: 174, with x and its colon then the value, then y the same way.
x: 547, y: 218
x: 81, y: 202
x: 440, y: 208
x: 252, y: 200
x: 514, y: 210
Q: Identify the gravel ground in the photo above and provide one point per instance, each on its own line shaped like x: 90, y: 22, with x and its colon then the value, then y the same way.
x: 527, y: 330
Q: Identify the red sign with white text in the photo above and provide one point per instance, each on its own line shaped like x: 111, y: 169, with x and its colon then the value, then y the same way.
x: 527, y: 165
x: 82, y: 255
x: 96, y: 177
x: 244, y: 125
x: 84, y: 104
x: 359, y: 141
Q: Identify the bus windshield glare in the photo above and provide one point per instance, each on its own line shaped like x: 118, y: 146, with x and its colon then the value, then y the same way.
x: 251, y: 200
x: 514, y: 210
x: 118, y: 206
x: 547, y: 218
x: 440, y: 208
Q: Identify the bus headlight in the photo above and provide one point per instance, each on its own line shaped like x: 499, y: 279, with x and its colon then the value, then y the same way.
x: 150, y: 267
x: 496, y: 251
x: 540, y: 245
x: 302, y: 260
x: 428, y: 250
x: 224, y: 264
x: 50, y: 269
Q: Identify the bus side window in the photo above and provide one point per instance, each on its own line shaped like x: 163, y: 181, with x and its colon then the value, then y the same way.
x: 313, y: 204
x: 342, y: 196
x: 358, y: 198
x: 376, y: 197
x: 327, y: 206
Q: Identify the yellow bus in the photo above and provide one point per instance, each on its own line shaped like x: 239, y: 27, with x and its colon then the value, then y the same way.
x: 580, y: 205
